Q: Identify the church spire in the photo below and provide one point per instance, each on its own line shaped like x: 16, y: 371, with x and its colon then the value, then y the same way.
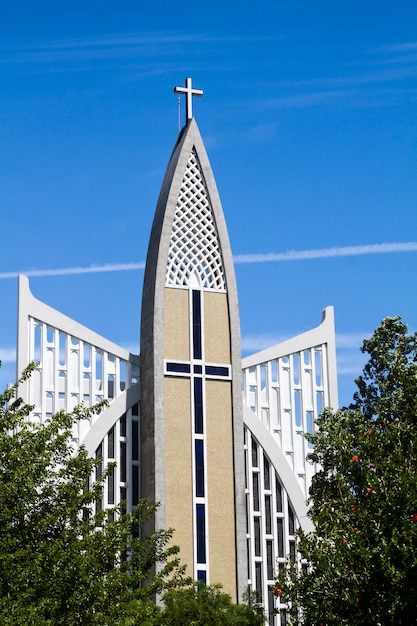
x: 191, y: 405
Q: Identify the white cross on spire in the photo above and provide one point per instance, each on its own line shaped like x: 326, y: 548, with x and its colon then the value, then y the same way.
x: 189, y: 92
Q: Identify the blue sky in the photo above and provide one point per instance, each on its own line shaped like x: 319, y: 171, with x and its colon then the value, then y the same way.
x: 308, y: 117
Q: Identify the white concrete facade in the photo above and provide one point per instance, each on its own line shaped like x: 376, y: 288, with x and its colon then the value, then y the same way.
x: 78, y: 365
x: 284, y: 390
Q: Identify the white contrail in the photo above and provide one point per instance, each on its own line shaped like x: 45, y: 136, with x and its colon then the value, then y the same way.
x: 325, y: 253
x: 68, y: 271
x: 291, y: 255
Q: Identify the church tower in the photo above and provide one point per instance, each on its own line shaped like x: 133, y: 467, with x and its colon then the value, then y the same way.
x: 191, y: 392
x: 219, y: 442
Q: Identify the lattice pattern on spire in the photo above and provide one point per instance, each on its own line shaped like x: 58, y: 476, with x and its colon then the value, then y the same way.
x: 194, y: 247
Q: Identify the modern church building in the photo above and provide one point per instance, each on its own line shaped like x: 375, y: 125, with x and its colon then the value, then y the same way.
x: 218, y: 441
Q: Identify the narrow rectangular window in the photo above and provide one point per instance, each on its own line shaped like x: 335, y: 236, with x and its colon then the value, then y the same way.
x: 110, y: 487
x: 123, y: 495
x: 280, y: 536
x: 135, y: 485
x: 291, y: 521
x: 201, y: 533
x: 255, y: 488
x: 202, y: 576
x: 257, y: 535
x: 267, y: 482
x: 122, y: 462
x: 181, y: 368
x: 123, y: 425
x: 271, y: 619
x: 269, y: 560
x: 198, y: 406
x: 196, y: 312
x: 278, y: 490
x: 199, y: 468
x: 254, y: 453
x: 99, y: 466
x: 292, y: 551
x: 99, y: 474
x: 258, y: 577
x: 135, y: 440
x: 110, y: 444
x: 217, y: 370
x: 268, y: 520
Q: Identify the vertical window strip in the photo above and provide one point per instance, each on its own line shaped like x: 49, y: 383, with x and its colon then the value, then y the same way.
x: 198, y: 436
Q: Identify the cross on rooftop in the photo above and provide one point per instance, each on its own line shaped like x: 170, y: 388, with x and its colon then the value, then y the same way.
x: 189, y: 92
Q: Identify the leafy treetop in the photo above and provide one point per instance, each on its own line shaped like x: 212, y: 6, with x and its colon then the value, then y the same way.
x: 363, y: 501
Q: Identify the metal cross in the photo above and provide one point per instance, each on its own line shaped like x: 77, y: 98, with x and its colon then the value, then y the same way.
x: 189, y: 92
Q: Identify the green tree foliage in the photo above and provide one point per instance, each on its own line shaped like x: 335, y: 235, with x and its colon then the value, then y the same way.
x: 363, y: 553
x: 207, y: 606
x: 60, y: 562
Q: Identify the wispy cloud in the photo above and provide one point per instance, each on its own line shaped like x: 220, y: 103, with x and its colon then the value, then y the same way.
x: 351, y: 81
x: 7, y: 355
x: 350, y: 340
x: 255, y: 343
x: 312, y: 98
x: 116, y: 45
x: 350, y: 362
x: 407, y: 46
x: 291, y: 255
x: 347, y: 344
